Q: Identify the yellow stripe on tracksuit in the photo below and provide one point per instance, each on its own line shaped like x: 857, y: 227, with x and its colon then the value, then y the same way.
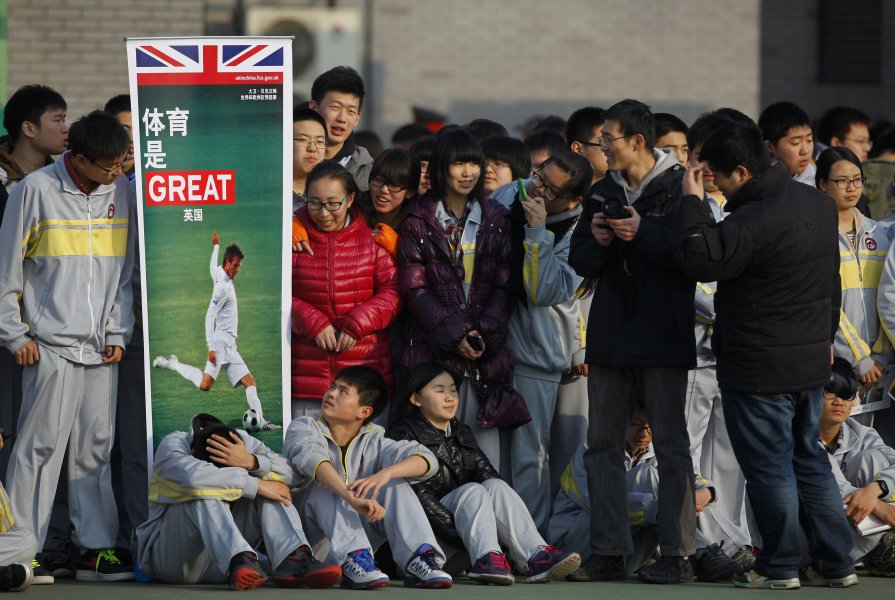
x: 858, y: 346
x: 7, y: 521
x: 468, y: 262
x: 168, y: 489
x: 530, y: 270
x: 569, y: 485
x: 79, y: 237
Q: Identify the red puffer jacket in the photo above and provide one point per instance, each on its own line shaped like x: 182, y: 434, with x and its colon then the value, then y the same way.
x: 351, y: 284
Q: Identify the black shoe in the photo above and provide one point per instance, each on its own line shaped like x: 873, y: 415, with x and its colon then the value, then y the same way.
x: 599, y: 567
x: 711, y: 564
x: 668, y: 569
x: 61, y: 565
x: 881, y: 560
x: 15, y: 578
x: 245, y: 572
x: 103, y: 565
x: 39, y: 575
x: 301, y: 569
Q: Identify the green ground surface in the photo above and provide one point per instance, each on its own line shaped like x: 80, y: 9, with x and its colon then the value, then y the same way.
x: 178, y: 253
x: 870, y: 587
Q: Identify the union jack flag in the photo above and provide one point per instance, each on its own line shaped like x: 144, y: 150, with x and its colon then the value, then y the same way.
x: 173, y: 63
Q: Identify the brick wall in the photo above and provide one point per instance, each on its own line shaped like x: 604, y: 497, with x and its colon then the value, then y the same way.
x: 76, y: 46
x: 500, y: 59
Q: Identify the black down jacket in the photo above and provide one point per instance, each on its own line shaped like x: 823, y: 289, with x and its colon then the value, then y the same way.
x: 461, y: 462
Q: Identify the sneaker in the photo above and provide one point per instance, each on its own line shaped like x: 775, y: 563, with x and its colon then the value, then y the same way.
x: 165, y: 362
x: 744, y: 555
x: 61, y: 565
x: 15, y: 577
x: 359, y: 572
x: 492, y: 568
x: 39, y: 575
x: 812, y: 578
x: 549, y: 563
x: 881, y: 560
x: 423, y: 571
x: 600, y: 567
x: 753, y: 580
x: 301, y: 569
x: 245, y: 572
x: 667, y: 569
x: 103, y: 565
x: 266, y: 425
x: 712, y: 564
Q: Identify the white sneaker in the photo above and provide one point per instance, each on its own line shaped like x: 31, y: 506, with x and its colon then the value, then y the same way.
x: 424, y: 572
x: 165, y: 362
x: 39, y: 575
x: 813, y: 578
x: 753, y: 580
x: 359, y: 572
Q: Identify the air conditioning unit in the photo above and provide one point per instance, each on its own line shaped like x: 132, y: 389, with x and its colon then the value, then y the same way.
x: 324, y: 38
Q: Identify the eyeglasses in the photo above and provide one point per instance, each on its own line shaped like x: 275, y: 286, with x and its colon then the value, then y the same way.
x: 843, y: 184
x: 330, y: 206
x: 110, y: 170
x: 597, y: 144
x: 605, y: 141
x: 308, y: 142
x: 866, y: 143
x: 637, y: 427
x: 380, y: 183
x: 496, y: 164
x: 538, y: 180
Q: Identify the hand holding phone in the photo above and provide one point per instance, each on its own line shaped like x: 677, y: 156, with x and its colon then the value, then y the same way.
x: 476, y: 342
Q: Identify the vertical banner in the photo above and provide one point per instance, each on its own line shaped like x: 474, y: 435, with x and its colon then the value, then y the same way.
x: 212, y: 129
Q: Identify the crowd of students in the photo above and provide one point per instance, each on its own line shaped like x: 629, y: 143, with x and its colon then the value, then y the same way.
x: 488, y: 336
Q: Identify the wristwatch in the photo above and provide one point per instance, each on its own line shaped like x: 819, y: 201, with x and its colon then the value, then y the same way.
x: 884, y: 487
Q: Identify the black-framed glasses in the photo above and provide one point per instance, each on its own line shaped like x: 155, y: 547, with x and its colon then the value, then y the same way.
x: 110, y: 170
x: 597, y: 144
x: 637, y: 427
x: 380, y: 183
x: 330, y: 206
x: 308, y: 142
x: 605, y: 141
x: 538, y: 180
x: 843, y: 183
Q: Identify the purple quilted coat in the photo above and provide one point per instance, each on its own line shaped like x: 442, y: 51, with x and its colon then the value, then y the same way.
x: 432, y: 290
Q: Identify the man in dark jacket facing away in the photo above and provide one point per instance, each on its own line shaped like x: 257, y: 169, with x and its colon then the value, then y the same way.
x: 639, y: 344
x: 776, y: 261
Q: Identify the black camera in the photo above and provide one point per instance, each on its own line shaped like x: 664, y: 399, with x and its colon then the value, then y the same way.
x: 842, y: 380
x: 614, y: 208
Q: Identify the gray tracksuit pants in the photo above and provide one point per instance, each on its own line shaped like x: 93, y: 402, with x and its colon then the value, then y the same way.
x: 490, y: 514
x: 66, y: 406
x: 713, y: 459
x: 199, y: 538
x: 405, y: 526
x: 17, y: 544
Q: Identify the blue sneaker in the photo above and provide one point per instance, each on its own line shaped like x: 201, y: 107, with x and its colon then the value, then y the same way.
x: 359, y: 572
x: 492, y: 568
x: 424, y: 572
x: 549, y: 563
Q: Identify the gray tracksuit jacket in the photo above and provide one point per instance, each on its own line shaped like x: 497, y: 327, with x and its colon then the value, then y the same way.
x: 853, y: 438
x: 65, y: 265
x: 309, y: 443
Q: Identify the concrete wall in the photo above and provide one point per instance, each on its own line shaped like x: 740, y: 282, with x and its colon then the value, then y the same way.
x: 501, y: 59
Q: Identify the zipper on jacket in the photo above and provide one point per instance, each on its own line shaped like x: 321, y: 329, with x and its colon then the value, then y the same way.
x: 343, y: 456
x: 89, y: 277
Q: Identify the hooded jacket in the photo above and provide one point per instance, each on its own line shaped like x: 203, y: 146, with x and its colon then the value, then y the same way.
x: 179, y: 477
x: 642, y: 310
x: 357, y: 161
x: 776, y: 260
x: 350, y: 283
x: 65, y: 266
x: 460, y: 461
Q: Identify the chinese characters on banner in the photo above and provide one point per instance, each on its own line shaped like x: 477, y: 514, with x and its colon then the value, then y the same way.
x: 212, y: 129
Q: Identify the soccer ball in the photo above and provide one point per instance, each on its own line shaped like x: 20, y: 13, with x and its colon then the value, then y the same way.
x: 251, y: 421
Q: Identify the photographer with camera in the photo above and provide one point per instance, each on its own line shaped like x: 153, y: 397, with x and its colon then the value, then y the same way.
x: 639, y: 344
x: 864, y: 467
x: 776, y: 261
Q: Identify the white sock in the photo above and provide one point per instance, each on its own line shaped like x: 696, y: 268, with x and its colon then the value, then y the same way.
x: 189, y: 373
x: 253, y: 400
